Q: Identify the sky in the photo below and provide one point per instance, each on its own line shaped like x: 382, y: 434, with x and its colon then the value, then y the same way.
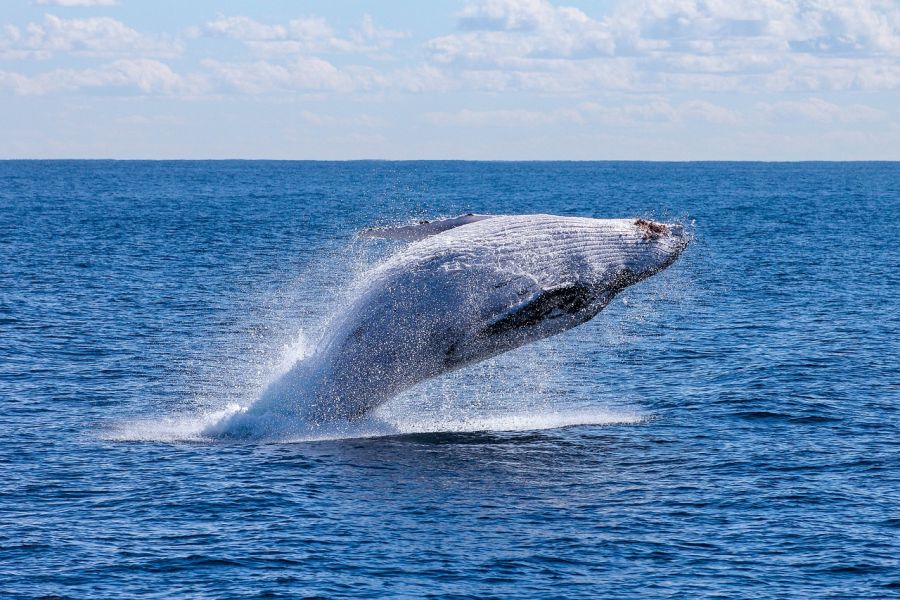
x: 442, y: 79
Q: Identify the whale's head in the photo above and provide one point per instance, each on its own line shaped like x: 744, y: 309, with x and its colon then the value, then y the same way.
x: 604, y: 255
x: 549, y: 274
x: 595, y: 259
x: 635, y: 250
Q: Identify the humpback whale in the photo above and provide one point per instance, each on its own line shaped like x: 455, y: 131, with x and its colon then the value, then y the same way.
x: 464, y: 290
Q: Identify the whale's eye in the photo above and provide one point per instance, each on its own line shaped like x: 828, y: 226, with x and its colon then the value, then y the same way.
x: 651, y: 230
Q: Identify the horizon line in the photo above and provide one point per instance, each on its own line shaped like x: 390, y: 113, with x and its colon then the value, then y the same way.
x: 472, y: 160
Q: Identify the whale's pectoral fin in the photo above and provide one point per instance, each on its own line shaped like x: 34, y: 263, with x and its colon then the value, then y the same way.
x: 546, y: 304
x: 422, y: 229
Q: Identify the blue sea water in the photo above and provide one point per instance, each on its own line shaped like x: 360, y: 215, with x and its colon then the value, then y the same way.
x: 727, y: 428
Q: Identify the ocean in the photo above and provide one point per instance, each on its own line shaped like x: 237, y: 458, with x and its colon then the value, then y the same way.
x: 726, y: 428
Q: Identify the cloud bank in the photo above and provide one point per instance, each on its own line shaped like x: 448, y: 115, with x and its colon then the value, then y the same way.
x: 496, y: 64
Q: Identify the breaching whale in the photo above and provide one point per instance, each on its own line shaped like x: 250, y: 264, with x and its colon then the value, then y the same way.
x: 465, y: 290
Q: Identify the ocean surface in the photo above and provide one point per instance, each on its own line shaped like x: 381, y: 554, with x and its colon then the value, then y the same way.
x: 727, y: 428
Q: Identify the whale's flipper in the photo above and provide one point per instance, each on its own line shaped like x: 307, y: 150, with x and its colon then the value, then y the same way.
x: 422, y: 229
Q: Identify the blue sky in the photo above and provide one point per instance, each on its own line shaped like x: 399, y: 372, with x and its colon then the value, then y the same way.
x: 481, y: 79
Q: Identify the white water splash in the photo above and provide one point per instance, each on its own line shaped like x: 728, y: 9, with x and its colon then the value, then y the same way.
x: 521, y: 391
x: 517, y: 392
x: 195, y: 428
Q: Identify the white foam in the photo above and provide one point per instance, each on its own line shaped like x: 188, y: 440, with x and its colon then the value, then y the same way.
x: 196, y: 428
x: 520, y: 421
x: 175, y: 428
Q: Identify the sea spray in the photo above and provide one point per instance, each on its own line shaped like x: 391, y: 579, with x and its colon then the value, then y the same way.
x: 422, y: 314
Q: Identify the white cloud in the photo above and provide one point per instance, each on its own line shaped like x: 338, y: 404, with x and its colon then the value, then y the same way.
x: 655, y: 47
x: 652, y: 45
x: 95, y: 36
x: 372, y: 37
x: 820, y: 111
x: 143, y: 75
x: 506, y: 15
x: 300, y: 74
x: 245, y: 28
x: 302, y: 36
x: 654, y: 111
x: 510, y: 32
x: 660, y: 116
x: 68, y: 3
x: 325, y: 120
x: 659, y: 111
x: 148, y: 120
x: 421, y: 79
x: 504, y: 118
